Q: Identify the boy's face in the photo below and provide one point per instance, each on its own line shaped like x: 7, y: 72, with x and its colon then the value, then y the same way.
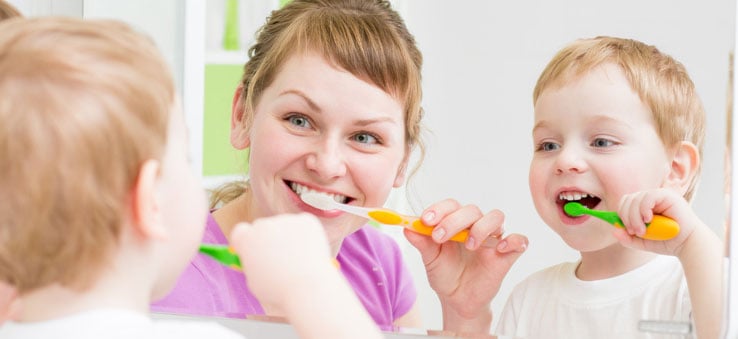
x: 320, y: 128
x: 594, y: 141
x: 182, y: 202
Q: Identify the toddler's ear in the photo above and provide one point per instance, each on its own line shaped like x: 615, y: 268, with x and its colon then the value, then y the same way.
x: 684, y: 167
x: 239, y: 131
x: 147, y: 219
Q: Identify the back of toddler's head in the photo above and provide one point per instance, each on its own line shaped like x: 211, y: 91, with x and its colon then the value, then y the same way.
x: 82, y: 105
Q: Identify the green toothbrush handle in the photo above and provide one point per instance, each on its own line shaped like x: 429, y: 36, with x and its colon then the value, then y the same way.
x: 660, y: 227
x: 224, y: 254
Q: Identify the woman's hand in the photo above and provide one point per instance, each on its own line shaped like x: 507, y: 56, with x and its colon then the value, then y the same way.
x: 466, y: 276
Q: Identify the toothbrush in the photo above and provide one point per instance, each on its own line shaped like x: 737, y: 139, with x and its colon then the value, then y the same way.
x: 224, y: 254
x: 380, y: 215
x: 660, y: 227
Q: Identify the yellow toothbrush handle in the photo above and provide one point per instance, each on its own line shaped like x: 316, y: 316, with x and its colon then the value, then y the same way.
x: 661, y: 228
x: 391, y: 218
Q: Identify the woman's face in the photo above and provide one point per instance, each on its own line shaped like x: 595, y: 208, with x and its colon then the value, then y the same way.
x: 318, y: 127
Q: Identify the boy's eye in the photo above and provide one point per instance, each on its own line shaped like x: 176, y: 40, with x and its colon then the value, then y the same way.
x: 299, y: 121
x: 548, y: 146
x: 365, y: 138
x: 600, y: 142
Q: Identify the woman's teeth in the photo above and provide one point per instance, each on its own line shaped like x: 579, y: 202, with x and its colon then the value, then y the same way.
x: 300, y: 190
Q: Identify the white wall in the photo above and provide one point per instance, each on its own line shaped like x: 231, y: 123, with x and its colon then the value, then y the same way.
x: 482, y: 59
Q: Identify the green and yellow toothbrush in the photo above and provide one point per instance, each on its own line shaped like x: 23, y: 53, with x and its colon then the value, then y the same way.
x: 660, y: 227
x: 224, y: 254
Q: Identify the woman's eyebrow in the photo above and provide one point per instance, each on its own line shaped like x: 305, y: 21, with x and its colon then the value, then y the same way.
x: 310, y: 102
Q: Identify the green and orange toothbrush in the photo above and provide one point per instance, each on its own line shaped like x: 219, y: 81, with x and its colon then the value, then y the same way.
x: 660, y: 227
x: 224, y: 254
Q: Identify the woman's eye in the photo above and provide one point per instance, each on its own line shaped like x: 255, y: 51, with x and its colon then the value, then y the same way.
x: 599, y: 142
x: 547, y: 146
x: 365, y: 138
x: 299, y: 121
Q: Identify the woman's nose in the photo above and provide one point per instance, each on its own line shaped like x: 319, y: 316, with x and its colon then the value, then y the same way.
x: 327, y: 160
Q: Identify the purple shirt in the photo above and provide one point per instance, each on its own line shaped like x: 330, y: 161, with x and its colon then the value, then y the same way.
x: 370, y: 260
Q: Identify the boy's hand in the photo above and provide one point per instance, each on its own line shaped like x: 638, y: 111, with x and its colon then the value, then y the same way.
x: 8, y: 303
x: 637, y: 209
x: 466, y: 276
x: 698, y: 248
x: 278, y: 253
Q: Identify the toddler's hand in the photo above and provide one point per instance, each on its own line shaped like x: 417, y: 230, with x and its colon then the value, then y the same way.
x: 278, y: 253
x: 638, y: 208
x: 8, y: 302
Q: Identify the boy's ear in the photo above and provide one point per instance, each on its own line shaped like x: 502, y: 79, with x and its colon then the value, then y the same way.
x: 239, y: 131
x: 684, y: 167
x: 147, y: 218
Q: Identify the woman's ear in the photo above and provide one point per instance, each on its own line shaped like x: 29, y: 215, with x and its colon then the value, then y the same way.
x: 147, y: 219
x: 684, y: 166
x: 239, y: 131
x: 402, y: 170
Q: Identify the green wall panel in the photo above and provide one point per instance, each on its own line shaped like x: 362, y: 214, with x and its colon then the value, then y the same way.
x: 219, y: 157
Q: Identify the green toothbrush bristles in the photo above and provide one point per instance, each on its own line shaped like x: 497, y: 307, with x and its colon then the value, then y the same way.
x: 574, y: 209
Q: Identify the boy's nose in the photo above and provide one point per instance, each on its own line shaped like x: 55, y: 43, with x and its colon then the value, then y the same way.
x: 327, y: 160
x: 570, y: 160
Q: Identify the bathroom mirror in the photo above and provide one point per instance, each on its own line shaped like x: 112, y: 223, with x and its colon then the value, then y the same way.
x: 730, y: 326
x: 481, y: 61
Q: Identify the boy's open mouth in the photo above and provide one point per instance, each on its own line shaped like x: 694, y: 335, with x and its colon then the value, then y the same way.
x: 586, y: 199
x: 301, y: 189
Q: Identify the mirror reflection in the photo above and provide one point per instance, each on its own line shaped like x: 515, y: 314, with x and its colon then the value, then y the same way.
x: 481, y: 64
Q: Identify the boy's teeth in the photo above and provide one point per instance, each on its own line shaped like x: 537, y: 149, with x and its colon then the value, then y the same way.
x: 300, y: 190
x: 572, y: 196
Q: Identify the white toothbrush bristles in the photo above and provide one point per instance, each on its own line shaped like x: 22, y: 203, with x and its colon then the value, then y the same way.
x: 318, y: 201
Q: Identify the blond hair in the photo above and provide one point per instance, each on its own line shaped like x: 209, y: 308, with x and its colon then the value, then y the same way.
x: 662, y: 83
x: 7, y: 11
x: 366, y: 38
x: 82, y: 105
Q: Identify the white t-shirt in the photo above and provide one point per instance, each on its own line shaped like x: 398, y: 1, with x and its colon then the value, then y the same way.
x: 116, y: 324
x: 554, y: 303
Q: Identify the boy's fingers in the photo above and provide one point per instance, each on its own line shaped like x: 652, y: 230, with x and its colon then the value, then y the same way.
x: 239, y: 234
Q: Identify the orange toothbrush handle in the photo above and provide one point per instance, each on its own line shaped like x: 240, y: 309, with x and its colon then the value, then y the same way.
x: 661, y: 228
x: 392, y: 218
x: 420, y: 227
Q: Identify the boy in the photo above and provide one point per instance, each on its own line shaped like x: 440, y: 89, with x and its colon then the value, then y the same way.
x: 101, y: 212
x: 618, y: 126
